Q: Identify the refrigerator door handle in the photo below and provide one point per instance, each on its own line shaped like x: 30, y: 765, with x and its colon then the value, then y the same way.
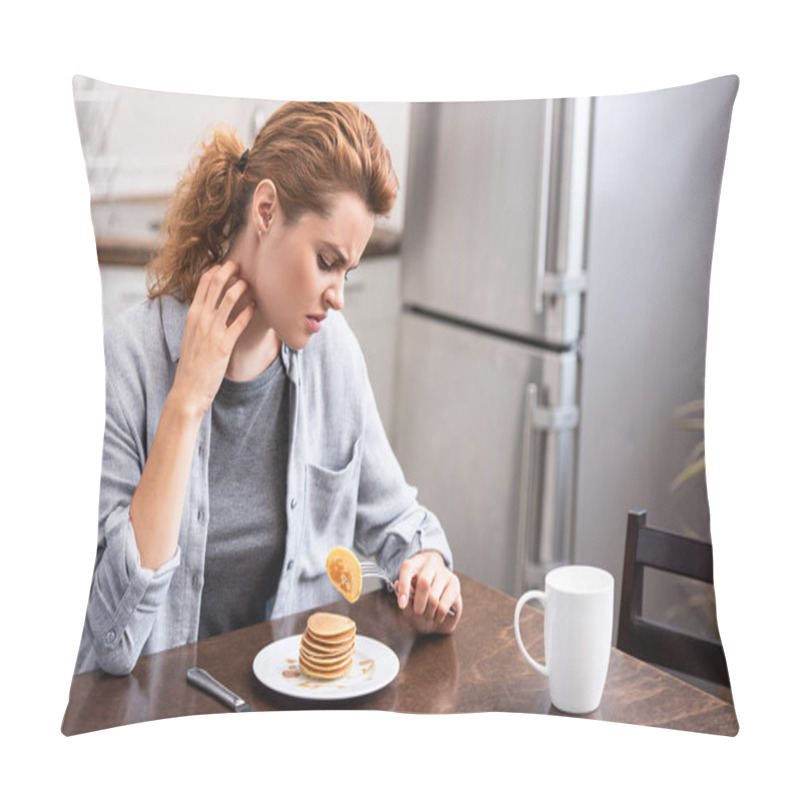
x: 526, y: 486
x: 534, y: 552
x: 544, y: 209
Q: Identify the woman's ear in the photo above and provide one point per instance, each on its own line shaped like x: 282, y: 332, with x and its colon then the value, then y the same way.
x: 265, y: 205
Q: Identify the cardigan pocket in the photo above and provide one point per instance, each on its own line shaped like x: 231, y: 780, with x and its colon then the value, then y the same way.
x: 331, y: 501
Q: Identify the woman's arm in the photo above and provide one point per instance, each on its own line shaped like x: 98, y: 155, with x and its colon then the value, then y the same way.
x: 404, y: 536
x: 141, y: 506
x: 206, y: 348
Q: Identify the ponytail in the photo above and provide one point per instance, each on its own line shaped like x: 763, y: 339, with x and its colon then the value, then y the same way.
x: 205, y: 213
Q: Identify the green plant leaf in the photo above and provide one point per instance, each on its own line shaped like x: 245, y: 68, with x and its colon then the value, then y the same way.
x: 689, y: 472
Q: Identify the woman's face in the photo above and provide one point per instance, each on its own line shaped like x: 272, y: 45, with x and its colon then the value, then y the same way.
x: 299, y: 270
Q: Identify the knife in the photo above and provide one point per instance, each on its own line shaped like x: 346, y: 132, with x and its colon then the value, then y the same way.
x: 200, y: 678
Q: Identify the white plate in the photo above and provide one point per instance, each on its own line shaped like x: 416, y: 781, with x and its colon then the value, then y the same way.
x: 374, y: 666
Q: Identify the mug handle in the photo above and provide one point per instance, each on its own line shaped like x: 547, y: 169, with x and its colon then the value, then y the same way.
x: 533, y: 594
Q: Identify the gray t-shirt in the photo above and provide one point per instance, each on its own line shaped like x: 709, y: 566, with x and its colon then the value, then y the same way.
x: 247, y: 500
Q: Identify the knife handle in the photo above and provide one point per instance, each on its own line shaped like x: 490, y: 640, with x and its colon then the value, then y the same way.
x: 200, y: 678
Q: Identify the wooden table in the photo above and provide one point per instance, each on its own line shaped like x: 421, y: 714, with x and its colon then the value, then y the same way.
x: 477, y: 668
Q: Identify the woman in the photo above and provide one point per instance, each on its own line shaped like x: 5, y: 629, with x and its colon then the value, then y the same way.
x: 242, y: 438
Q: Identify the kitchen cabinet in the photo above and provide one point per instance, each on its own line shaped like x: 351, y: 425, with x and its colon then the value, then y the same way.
x: 123, y: 286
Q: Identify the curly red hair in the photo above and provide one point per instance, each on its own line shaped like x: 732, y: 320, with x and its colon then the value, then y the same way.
x: 310, y: 151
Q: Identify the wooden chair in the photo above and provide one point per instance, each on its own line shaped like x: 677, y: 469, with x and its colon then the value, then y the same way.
x: 654, y: 642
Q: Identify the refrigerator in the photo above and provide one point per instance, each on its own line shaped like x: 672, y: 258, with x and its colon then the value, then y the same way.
x: 554, y: 277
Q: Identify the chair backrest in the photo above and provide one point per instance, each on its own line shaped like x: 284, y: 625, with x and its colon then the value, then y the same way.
x: 651, y: 641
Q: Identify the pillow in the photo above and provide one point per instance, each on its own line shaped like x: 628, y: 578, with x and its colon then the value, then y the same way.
x: 562, y: 245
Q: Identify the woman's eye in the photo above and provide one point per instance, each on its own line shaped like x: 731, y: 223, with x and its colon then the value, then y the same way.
x: 323, y: 264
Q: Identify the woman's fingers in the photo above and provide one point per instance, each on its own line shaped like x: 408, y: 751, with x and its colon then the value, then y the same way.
x: 442, y: 594
x: 403, y: 585
x: 222, y: 291
x: 450, y: 598
x: 433, y: 584
x: 238, y: 324
x: 422, y: 588
x: 219, y: 278
x: 201, y: 292
x: 230, y: 299
x: 448, y: 624
x: 208, y: 338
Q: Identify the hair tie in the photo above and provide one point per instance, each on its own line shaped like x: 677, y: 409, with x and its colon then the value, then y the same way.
x: 242, y: 162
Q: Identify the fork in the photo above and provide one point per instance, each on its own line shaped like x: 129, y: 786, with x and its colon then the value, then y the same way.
x: 369, y: 569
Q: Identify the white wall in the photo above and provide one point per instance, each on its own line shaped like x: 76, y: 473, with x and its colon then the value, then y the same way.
x: 148, y: 137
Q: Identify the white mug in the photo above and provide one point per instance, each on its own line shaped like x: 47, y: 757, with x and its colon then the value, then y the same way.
x: 578, y: 607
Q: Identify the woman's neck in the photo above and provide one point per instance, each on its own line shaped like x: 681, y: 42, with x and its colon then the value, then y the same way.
x: 258, y: 346
x: 254, y: 351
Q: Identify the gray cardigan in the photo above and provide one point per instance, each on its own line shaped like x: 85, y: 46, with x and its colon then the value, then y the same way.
x: 344, y: 487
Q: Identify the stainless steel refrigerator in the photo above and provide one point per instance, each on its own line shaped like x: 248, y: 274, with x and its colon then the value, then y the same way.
x: 518, y: 214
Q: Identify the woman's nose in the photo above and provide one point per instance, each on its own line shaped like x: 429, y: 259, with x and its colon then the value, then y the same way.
x: 334, y: 295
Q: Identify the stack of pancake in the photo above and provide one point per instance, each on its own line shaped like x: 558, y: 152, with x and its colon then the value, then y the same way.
x: 327, y: 646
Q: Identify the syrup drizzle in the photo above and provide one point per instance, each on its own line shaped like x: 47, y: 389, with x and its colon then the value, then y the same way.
x: 292, y: 672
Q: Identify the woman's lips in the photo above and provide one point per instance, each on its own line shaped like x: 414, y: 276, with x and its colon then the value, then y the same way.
x: 315, y: 322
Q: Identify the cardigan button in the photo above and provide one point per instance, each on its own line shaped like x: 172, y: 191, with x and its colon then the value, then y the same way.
x: 293, y: 504
x: 290, y: 564
x: 110, y: 636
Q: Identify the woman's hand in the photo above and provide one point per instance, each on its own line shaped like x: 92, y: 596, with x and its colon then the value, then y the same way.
x: 209, y: 336
x: 436, y: 590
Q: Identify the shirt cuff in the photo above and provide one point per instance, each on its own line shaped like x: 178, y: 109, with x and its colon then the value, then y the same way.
x: 133, y: 559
